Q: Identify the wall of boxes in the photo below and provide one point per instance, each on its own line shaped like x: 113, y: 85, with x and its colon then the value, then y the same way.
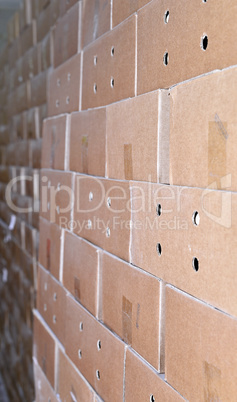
x: 135, y: 277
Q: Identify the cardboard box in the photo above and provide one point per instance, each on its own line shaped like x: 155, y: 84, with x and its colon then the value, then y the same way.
x: 28, y: 37
x: 182, y: 227
x: 142, y: 383
x: 81, y: 271
x: 48, y: 15
x: 131, y: 306
x: 122, y: 9
x: 95, y: 351
x: 30, y: 63
x: 87, y: 142
x: 172, y: 51
x: 95, y: 19
x: 57, y: 196
x: 44, y: 348
x: 35, y: 153
x: 54, y: 146
x: 43, y: 389
x: 45, y: 50
x: 109, y: 64
x: 67, y: 36
x: 200, y: 349
x: 132, y: 139
x: 102, y: 213
x: 39, y: 85
x: 50, y: 247
x: 64, y: 87
x: 194, y: 159
x: 38, y: 6
x: 71, y: 384
x: 32, y: 124
x: 51, y: 298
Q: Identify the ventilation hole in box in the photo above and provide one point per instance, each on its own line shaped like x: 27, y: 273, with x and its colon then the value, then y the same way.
x: 152, y: 399
x: 91, y: 196
x: 109, y: 202
x: 55, y: 296
x: 108, y: 232
x: 79, y: 353
x: 99, y: 345
x: 67, y: 100
x: 95, y: 60
x: 49, y: 183
x: 158, y: 249
x: 89, y: 224
x: 112, y: 51
x: 95, y: 88
x: 81, y: 326
x: 196, y: 218
x: 69, y: 77
x: 57, y: 103
x: 204, y: 1
x: 54, y: 319
x: 195, y: 264
x: 45, y: 307
x: 158, y: 209
x: 58, y: 209
x: 97, y: 374
x: 58, y: 186
x: 58, y: 82
x: 112, y: 82
x: 204, y: 42
x: 48, y: 205
x: 45, y: 286
x: 49, y: 399
x: 167, y: 17
x: 166, y: 59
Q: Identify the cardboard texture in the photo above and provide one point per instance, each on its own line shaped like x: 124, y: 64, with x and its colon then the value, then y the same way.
x: 95, y: 19
x: 170, y: 51
x: 181, y: 226
x: 142, y: 383
x: 110, y: 67
x: 56, y: 196
x: 123, y: 9
x: 131, y: 146
x: 50, y: 247
x: 43, y: 389
x: 39, y: 89
x: 71, y: 384
x: 65, y: 5
x: 55, y: 132
x: 203, y: 160
x: 28, y: 38
x: 45, y: 52
x: 101, y: 363
x: 102, y: 213
x: 30, y: 64
x: 46, y: 18
x: 67, y: 36
x: 87, y: 142
x: 64, y: 87
x: 208, y: 360
x: 51, y: 297
x: 130, y: 305
x: 80, y: 271
x: 44, y: 349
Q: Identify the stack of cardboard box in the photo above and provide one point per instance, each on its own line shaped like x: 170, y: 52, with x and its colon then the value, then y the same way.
x: 136, y: 273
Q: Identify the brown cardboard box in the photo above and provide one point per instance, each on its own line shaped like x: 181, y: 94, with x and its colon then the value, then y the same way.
x: 67, y: 36
x: 131, y: 306
x: 123, y: 9
x: 30, y: 63
x: 32, y: 124
x: 57, y: 196
x: 39, y: 86
x: 142, y: 383
x: 200, y: 349
x: 50, y: 247
x: 95, y: 351
x: 109, y: 64
x: 43, y: 389
x: 48, y: 15
x: 35, y: 153
x: 51, y: 298
x: 45, y: 49
x: 44, y: 348
x: 55, y: 136
x: 202, y: 160
x: 28, y: 37
x: 95, y: 19
x: 81, y: 271
x: 186, y: 236
x: 102, y: 213
x: 132, y: 140
x: 170, y: 51
x: 71, y: 384
x: 87, y: 142
x: 64, y: 87
x: 38, y: 6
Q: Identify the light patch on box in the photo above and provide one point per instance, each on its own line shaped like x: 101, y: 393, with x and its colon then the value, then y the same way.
x: 84, y: 153
x: 217, y: 144
x: 128, y: 165
x: 212, y: 383
x: 127, y: 320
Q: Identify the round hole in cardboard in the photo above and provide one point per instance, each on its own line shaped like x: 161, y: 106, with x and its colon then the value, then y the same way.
x: 204, y: 42
x: 158, y: 210
x: 89, y: 224
x: 166, y: 59
x: 54, y: 319
x: 108, y: 232
x: 58, y: 209
x: 97, y: 374
x: 158, y: 249
x: 57, y: 103
x: 58, y: 82
x: 81, y: 326
x: 112, y: 51
x: 152, y: 399
x: 45, y: 286
x: 55, y: 296
x: 91, y: 196
x: 109, y: 202
x: 67, y: 100
x: 196, y: 218
x: 95, y: 60
x: 167, y: 16
x: 98, y: 344
x: 79, y: 353
x: 95, y: 88
x: 69, y: 77
x: 45, y: 307
x: 112, y: 82
x: 195, y: 264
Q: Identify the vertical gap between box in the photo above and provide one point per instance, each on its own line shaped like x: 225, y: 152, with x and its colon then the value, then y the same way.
x: 67, y: 142
x: 111, y: 14
x: 136, y: 54
x: 62, y: 238
x: 81, y: 76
